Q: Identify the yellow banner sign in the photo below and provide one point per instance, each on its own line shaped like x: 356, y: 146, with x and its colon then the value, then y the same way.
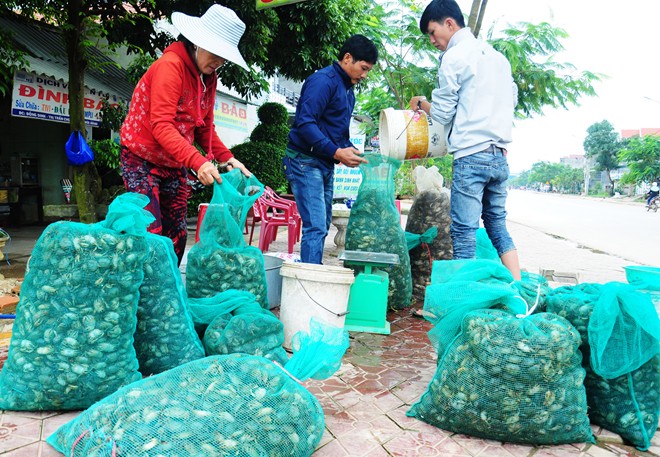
x: 263, y: 4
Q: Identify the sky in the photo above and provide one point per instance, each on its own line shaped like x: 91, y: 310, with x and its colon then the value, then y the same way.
x: 618, y: 39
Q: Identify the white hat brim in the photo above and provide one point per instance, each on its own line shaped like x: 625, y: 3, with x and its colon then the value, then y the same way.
x: 193, y: 29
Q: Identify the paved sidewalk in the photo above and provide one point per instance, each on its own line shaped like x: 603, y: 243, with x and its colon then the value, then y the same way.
x: 380, y: 377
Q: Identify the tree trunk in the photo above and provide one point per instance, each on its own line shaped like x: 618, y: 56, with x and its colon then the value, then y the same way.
x: 85, y: 177
x: 477, y: 12
x: 480, y: 19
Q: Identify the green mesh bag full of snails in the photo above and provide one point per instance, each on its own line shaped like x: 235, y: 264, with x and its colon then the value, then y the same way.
x: 374, y: 225
x: 620, y: 329
x: 165, y: 336
x: 255, y: 333
x: 240, y: 324
x: 223, y: 405
x: 222, y: 260
x: 72, y: 340
x: 430, y: 210
x: 510, y: 378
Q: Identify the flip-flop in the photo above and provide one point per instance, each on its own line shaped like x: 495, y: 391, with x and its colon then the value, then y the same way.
x: 418, y: 313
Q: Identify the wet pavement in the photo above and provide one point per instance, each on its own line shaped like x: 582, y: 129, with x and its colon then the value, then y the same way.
x: 365, y: 402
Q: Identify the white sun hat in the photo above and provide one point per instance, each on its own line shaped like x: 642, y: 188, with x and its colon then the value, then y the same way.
x: 218, y: 31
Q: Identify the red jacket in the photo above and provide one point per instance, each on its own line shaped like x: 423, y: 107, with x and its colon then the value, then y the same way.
x: 169, y: 110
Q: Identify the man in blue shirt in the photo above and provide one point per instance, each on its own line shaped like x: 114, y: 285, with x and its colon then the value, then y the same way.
x: 320, y: 138
x: 475, y: 101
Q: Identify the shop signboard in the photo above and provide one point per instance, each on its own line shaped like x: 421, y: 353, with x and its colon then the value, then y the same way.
x: 41, y: 97
x: 347, y: 180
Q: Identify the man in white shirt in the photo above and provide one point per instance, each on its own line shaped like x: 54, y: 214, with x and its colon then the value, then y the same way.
x: 475, y: 101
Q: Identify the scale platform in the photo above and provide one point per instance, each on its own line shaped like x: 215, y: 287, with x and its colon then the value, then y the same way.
x: 367, y: 301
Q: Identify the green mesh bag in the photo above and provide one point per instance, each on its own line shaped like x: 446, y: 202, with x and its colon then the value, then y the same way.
x: 485, y: 248
x: 534, y: 289
x: 460, y: 286
x: 165, y: 336
x: 72, y: 340
x: 575, y: 303
x: 619, y: 329
x: 222, y: 259
x: 375, y: 225
x: 205, y: 310
x: 508, y: 378
x: 225, y: 405
x: 255, y: 333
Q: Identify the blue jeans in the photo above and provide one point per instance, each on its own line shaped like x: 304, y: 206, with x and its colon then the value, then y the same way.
x: 478, y: 189
x: 312, y: 186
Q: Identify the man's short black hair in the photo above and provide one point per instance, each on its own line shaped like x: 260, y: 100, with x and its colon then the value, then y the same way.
x: 438, y: 11
x: 360, y: 48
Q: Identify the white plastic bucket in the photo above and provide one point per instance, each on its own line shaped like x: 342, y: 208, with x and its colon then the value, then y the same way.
x: 272, y: 266
x: 407, y: 134
x: 313, y: 291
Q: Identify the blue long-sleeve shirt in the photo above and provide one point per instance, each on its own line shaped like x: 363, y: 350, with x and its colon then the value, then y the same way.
x: 323, y: 114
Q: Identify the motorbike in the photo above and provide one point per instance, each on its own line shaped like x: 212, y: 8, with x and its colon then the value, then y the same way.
x: 653, y: 204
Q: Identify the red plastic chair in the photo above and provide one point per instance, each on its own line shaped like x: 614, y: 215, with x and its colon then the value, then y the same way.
x: 271, y: 194
x: 274, y: 215
x: 256, y: 217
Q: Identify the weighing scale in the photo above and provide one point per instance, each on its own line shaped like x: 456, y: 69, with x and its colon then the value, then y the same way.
x: 367, y: 300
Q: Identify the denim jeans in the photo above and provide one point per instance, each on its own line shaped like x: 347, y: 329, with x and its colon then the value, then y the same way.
x: 478, y: 189
x: 312, y: 186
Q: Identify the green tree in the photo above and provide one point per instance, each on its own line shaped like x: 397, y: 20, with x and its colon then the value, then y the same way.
x: 293, y: 40
x: 544, y: 173
x: 642, y: 155
x: 530, y: 49
x: 393, y: 26
x: 407, y: 61
x: 569, y: 179
x: 522, y: 180
x: 83, y: 25
x: 11, y: 59
x: 602, y: 143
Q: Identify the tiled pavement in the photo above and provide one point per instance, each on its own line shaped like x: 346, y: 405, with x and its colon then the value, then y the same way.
x: 381, y: 376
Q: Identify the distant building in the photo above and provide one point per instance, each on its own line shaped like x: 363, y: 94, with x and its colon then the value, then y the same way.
x: 638, y: 133
x: 573, y: 160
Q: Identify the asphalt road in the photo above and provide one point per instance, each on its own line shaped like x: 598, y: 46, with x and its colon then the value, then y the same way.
x: 616, y: 227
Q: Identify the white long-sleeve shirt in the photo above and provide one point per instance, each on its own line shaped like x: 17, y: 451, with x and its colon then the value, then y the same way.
x: 476, y: 95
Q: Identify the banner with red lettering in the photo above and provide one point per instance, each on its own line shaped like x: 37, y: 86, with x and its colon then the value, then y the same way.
x: 41, y: 97
x: 263, y: 4
x: 230, y: 114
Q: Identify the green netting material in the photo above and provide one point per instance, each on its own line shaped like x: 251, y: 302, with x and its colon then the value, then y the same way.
x: 628, y: 404
x: 485, y: 248
x: 229, y: 405
x: 72, y: 341
x: 317, y: 354
x: 165, y: 336
x: 222, y: 259
x: 204, y: 310
x: 239, y: 192
x: 413, y: 239
x: 624, y: 331
x: 256, y: 333
x: 460, y: 286
x: 533, y: 288
x: 375, y: 225
x: 510, y: 379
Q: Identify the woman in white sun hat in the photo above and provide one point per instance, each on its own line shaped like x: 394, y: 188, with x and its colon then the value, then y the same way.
x: 172, y: 107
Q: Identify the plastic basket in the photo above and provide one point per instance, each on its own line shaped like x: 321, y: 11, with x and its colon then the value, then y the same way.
x: 643, y: 275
